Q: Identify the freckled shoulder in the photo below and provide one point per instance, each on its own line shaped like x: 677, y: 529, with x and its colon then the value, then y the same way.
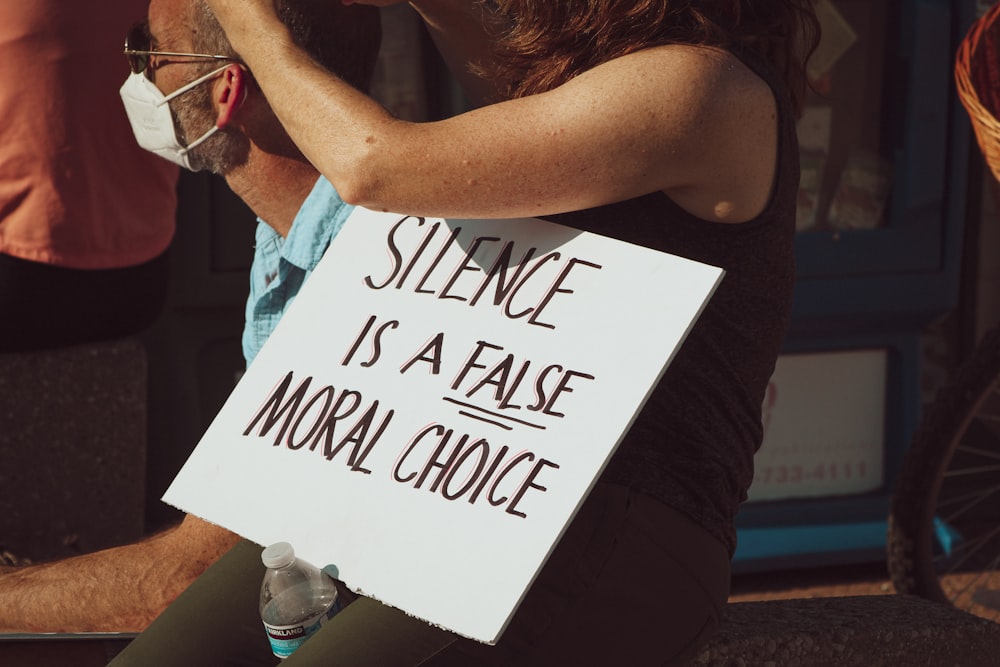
x: 714, y: 128
x: 689, y: 80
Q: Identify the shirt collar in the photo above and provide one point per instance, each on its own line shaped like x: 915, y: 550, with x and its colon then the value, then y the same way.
x: 318, y: 220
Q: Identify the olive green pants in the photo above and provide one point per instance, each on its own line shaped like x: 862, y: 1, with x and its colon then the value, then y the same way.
x: 632, y: 582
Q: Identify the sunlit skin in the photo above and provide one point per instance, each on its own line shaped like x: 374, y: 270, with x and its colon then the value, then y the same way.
x: 692, y: 122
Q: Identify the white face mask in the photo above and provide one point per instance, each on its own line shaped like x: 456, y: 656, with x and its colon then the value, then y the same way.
x: 151, y: 120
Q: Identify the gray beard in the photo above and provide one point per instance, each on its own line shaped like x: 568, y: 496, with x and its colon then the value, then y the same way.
x: 220, y: 153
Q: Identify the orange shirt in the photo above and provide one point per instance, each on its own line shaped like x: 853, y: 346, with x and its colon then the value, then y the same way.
x: 75, y: 188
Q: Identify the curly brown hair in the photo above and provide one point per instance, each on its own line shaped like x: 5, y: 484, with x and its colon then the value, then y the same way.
x: 544, y: 43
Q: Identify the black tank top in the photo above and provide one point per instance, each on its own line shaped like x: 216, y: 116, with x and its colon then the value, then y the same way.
x: 692, y: 446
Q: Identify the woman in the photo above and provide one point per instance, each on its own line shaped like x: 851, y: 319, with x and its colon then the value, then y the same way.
x: 666, y: 124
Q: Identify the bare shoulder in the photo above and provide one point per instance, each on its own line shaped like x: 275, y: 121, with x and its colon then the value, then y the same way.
x: 709, y: 75
x: 689, y: 121
x: 695, y: 86
x: 710, y: 120
x: 714, y: 68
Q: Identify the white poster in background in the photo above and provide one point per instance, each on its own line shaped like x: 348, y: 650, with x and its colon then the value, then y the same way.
x: 437, y: 402
x: 824, y: 426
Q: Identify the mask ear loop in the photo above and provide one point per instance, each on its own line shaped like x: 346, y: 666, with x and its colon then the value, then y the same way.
x: 200, y: 140
x: 190, y: 86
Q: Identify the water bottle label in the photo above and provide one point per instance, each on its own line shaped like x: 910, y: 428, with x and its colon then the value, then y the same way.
x: 285, y: 639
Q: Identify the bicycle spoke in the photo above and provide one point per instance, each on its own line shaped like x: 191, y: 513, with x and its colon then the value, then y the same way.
x: 966, y: 449
x: 976, y: 497
x: 989, y: 416
x: 979, y: 495
x: 971, y: 471
x: 967, y: 550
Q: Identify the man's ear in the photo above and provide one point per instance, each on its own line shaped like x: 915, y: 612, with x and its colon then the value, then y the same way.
x: 230, y: 92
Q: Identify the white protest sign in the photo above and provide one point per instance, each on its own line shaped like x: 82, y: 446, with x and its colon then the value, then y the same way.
x: 437, y: 402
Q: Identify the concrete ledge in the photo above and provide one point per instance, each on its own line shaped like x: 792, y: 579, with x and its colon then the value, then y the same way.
x: 61, y: 650
x: 869, y: 631
x: 873, y: 631
x: 72, y: 448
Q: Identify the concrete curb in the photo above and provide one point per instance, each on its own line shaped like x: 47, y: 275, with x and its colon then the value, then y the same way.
x: 873, y: 631
x: 72, y: 448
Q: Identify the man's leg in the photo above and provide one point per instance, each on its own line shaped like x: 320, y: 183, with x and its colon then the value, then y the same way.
x: 214, y: 623
x: 370, y: 634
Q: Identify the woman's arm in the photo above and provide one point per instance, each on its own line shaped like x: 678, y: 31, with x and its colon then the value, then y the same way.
x: 685, y: 120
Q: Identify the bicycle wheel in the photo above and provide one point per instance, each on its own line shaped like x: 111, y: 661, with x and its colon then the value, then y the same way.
x: 944, y: 519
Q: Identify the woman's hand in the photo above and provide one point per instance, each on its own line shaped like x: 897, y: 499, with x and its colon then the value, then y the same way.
x: 246, y: 21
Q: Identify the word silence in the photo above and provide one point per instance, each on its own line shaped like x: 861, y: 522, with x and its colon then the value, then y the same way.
x: 487, y: 266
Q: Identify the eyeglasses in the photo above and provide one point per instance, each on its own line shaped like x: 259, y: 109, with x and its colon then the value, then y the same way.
x: 137, y: 51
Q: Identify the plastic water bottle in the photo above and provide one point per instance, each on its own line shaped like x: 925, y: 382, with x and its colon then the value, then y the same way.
x: 296, y: 599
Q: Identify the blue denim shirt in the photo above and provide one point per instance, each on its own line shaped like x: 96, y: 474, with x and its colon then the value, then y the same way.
x: 281, y: 265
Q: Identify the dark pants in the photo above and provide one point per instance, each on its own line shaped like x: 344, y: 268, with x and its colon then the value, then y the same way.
x: 632, y: 582
x: 44, y: 306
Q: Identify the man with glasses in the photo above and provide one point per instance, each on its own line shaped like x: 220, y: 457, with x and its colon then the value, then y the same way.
x: 191, y: 101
